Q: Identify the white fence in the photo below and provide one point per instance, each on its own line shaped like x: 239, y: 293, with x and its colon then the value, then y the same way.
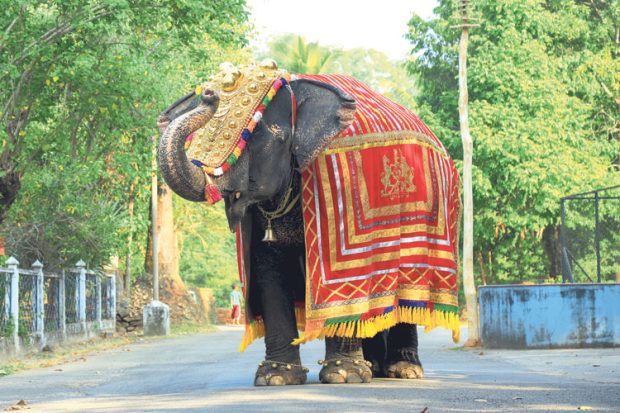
x: 39, y: 308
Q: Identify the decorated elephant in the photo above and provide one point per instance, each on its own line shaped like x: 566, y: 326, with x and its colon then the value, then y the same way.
x: 345, y: 207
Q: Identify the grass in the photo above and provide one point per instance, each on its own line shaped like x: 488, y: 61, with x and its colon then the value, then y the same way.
x: 62, y: 354
x: 72, y: 352
x: 191, y: 328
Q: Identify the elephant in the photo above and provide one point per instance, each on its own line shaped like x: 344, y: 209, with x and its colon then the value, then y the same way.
x: 260, y: 177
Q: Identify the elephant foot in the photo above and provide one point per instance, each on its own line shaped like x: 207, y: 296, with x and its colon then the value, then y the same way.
x: 408, y: 367
x: 345, y: 371
x: 404, y: 370
x: 276, y: 373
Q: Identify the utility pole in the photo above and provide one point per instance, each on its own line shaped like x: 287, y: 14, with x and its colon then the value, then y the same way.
x: 154, y: 222
x: 471, y: 297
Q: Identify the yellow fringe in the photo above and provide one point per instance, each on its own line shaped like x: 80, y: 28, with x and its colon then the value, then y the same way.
x: 256, y: 329
x: 300, y: 317
x: 368, y: 328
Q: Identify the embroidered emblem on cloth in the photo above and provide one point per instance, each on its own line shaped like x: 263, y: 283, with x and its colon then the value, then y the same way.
x: 397, y: 176
x: 381, y: 210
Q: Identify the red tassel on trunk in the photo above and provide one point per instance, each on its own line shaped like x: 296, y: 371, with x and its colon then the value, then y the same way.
x: 212, y: 194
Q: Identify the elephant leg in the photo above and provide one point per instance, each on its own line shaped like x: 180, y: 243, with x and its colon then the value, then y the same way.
x: 282, y: 365
x: 344, y: 361
x: 375, y: 350
x: 402, y: 360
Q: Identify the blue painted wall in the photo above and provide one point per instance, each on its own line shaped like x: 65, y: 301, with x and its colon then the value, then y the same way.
x: 550, y: 316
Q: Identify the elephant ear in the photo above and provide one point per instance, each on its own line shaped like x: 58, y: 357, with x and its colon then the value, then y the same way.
x: 323, y: 111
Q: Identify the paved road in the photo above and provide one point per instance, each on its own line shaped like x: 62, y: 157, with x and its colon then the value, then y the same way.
x: 204, y: 373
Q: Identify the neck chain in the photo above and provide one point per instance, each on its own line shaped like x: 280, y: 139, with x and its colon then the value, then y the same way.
x: 283, y: 208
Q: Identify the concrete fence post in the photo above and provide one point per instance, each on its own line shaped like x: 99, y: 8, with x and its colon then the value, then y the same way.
x: 7, y: 298
x: 38, y: 303
x: 14, y: 303
x: 62, y: 305
x: 98, y: 300
x: 81, y: 294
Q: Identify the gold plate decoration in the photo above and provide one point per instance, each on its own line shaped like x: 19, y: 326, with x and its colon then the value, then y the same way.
x: 245, y: 92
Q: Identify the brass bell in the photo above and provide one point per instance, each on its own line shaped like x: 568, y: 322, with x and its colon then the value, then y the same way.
x: 269, y: 236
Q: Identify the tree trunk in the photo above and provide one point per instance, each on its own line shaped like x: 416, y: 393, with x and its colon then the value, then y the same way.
x: 9, y: 187
x: 471, y: 300
x: 168, y: 257
x: 490, y: 261
x: 483, y: 272
x: 127, y: 277
x: 553, y: 249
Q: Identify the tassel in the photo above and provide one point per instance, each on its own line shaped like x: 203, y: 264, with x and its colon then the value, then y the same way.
x: 212, y: 194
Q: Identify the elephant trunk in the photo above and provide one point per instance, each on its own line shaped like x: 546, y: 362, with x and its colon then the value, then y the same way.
x: 183, y: 177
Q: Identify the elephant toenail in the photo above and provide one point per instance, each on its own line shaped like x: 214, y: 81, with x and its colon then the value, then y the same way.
x: 276, y: 381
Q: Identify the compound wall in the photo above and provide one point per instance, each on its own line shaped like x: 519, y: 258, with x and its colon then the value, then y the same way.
x: 550, y: 316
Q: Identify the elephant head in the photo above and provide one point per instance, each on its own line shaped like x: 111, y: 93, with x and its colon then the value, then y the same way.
x: 296, y: 126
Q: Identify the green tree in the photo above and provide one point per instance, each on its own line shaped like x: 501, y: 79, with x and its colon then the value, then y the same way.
x: 297, y: 56
x: 81, y: 83
x: 543, y: 90
x: 368, y: 65
x: 207, y: 248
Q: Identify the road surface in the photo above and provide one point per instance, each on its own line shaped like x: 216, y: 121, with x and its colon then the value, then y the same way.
x: 205, y: 373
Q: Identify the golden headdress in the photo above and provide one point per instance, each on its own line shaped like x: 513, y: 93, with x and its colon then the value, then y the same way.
x: 245, y: 91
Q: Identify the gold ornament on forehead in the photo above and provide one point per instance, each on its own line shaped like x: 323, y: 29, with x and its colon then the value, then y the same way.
x: 241, y: 90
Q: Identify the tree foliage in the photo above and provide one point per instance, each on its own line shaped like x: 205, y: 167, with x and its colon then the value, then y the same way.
x: 373, y: 67
x: 544, y: 96
x: 81, y: 83
x: 207, y: 248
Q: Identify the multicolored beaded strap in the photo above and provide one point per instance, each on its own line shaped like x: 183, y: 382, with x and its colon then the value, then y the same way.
x: 212, y: 193
x: 246, y: 134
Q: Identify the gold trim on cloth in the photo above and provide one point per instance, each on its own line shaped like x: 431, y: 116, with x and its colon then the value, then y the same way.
x: 241, y: 90
x: 372, y: 140
x: 437, y: 228
x: 421, y: 294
